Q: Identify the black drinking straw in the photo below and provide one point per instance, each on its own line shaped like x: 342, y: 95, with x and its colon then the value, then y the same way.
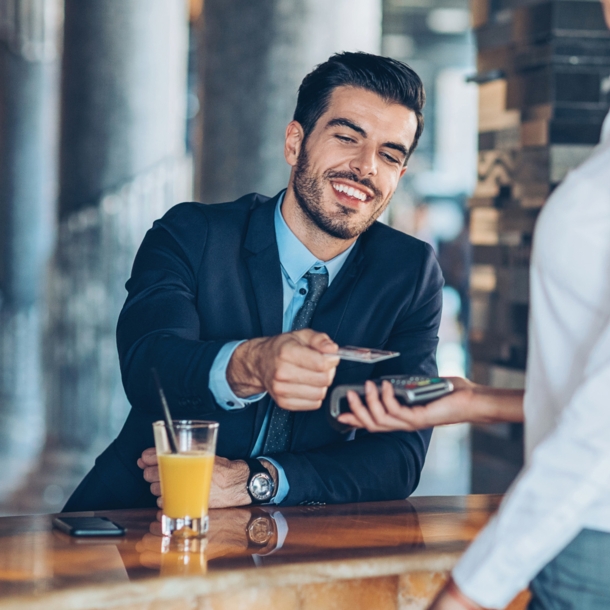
x: 171, y: 433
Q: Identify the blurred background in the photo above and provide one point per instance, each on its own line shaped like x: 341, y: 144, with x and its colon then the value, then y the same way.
x: 112, y: 111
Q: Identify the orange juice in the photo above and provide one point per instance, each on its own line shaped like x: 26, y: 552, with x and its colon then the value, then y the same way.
x: 184, y: 562
x: 185, y: 483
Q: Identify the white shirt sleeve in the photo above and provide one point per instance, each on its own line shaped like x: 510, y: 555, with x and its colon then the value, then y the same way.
x: 543, y: 511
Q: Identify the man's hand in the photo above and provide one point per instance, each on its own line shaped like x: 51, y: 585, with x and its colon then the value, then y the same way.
x: 149, y: 464
x: 228, y: 480
x: 468, y: 403
x: 296, y: 368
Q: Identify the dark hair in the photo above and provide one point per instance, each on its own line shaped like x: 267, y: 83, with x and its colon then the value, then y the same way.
x: 389, y: 78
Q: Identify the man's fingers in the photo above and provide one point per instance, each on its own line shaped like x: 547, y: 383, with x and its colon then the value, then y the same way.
x: 293, y: 373
x: 149, y: 457
x: 322, y: 343
x: 310, y: 350
x: 160, y: 501
x: 298, y: 404
x: 299, y: 389
x: 307, y: 358
x: 155, y: 489
x: 151, y: 474
x: 281, y: 390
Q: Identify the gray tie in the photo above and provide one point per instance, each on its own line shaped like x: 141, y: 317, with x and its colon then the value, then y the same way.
x: 280, y: 422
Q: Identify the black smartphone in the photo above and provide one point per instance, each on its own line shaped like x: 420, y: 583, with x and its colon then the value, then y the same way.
x: 409, y: 391
x: 88, y: 526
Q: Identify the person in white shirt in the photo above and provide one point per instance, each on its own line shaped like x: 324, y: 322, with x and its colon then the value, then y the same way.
x: 553, y: 528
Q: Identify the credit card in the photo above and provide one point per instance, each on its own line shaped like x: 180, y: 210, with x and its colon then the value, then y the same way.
x: 364, y: 354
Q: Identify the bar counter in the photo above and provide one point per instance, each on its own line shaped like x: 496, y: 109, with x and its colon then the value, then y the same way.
x: 376, y: 555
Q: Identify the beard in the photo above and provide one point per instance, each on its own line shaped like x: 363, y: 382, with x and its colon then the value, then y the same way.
x: 344, y: 222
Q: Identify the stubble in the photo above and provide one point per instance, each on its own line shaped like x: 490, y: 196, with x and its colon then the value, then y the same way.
x: 309, y: 193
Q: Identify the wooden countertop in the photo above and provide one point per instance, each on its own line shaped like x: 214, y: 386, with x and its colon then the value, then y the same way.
x: 43, y: 568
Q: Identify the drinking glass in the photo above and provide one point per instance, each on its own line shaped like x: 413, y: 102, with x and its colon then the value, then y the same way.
x: 186, y: 476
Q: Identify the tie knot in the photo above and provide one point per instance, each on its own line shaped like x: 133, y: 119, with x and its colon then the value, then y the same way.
x: 317, y: 282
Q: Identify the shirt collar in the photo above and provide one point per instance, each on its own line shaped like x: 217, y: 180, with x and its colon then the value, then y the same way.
x: 295, y: 257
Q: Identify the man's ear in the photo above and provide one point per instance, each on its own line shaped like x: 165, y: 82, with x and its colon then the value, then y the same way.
x: 402, y: 171
x: 294, y: 140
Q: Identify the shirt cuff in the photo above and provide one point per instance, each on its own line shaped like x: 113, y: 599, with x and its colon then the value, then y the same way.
x: 283, y: 487
x: 219, y: 386
x: 487, y: 574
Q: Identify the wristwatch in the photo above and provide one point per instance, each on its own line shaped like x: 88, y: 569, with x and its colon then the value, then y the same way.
x: 260, y: 529
x: 260, y: 485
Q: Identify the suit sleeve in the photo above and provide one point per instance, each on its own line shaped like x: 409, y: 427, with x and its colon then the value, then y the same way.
x: 381, y: 466
x: 159, y: 326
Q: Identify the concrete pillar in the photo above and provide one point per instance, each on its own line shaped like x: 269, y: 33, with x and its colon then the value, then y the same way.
x: 29, y: 37
x: 123, y: 164
x: 253, y: 58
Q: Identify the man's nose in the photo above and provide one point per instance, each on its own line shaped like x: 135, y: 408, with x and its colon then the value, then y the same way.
x: 364, y: 162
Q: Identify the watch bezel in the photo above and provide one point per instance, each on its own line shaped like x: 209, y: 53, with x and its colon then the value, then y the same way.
x: 271, y: 484
x: 254, y: 531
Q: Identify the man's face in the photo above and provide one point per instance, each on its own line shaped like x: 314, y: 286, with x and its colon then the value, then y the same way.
x: 348, y: 168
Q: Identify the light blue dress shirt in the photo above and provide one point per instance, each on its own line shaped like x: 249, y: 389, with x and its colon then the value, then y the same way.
x: 296, y: 260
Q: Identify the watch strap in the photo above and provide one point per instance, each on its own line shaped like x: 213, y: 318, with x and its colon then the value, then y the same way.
x: 255, y: 467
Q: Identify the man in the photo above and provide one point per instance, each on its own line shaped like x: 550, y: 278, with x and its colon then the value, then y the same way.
x: 241, y: 308
x: 553, y: 528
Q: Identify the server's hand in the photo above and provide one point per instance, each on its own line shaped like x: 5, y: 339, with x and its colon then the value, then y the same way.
x: 469, y: 402
x: 451, y: 598
x: 296, y: 368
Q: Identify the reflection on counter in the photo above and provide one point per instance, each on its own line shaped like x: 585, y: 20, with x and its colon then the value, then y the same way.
x: 259, y: 536
x: 172, y: 556
x: 311, y: 548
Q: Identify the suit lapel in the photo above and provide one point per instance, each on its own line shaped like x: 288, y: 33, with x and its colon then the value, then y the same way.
x: 263, y: 263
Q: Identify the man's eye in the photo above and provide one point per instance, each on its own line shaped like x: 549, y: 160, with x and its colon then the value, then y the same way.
x: 390, y: 158
x: 345, y: 139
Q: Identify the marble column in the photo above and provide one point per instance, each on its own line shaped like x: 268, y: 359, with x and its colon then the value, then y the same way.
x: 29, y: 83
x: 122, y: 165
x: 253, y: 58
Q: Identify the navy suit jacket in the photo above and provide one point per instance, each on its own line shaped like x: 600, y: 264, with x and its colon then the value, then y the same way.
x: 208, y: 274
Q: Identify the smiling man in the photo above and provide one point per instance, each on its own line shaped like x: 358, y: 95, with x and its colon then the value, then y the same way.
x: 241, y: 307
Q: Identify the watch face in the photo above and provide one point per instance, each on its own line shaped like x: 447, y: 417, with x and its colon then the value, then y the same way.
x: 261, y: 486
x: 260, y: 530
